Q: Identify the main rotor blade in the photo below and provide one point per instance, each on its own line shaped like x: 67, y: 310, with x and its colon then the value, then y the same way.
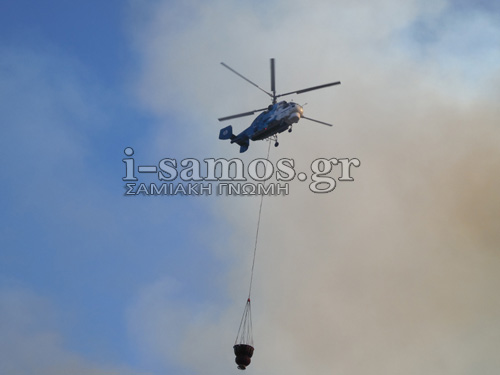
x: 310, y: 89
x: 241, y: 114
x: 273, y: 85
x: 319, y: 122
x: 246, y: 79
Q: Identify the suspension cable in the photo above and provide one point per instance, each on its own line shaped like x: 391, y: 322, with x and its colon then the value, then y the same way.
x: 245, y: 335
x: 257, y: 232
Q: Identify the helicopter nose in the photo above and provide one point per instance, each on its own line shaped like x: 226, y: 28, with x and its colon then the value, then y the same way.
x: 295, y: 113
x: 298, y: 108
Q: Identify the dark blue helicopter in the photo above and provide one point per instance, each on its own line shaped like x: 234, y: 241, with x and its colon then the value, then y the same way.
x: 275, y: 119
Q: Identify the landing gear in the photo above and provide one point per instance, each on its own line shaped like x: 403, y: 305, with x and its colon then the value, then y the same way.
x: 275, y: 139
x: 290, y: 129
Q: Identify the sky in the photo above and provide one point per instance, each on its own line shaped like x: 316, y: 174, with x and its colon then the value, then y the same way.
x: 395, y: 272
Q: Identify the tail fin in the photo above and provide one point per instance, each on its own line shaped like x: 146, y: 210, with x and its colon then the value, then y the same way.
x: 243, y: 146
x: 227, y: 133
x: 241, y: 140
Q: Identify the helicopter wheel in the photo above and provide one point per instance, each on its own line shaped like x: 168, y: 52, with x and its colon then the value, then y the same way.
x: 290, y: 130
x: 276, y: 144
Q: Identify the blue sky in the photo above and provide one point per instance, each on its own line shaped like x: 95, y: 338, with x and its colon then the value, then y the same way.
x: 68, y: 116
x: 399, y: 266
x: 90, y: 32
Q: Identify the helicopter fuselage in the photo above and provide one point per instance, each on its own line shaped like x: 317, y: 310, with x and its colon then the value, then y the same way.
x: 278, y: 118
x: 275, y: 119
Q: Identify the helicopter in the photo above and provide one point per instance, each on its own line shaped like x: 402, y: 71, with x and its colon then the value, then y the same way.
x: 274, y: 119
